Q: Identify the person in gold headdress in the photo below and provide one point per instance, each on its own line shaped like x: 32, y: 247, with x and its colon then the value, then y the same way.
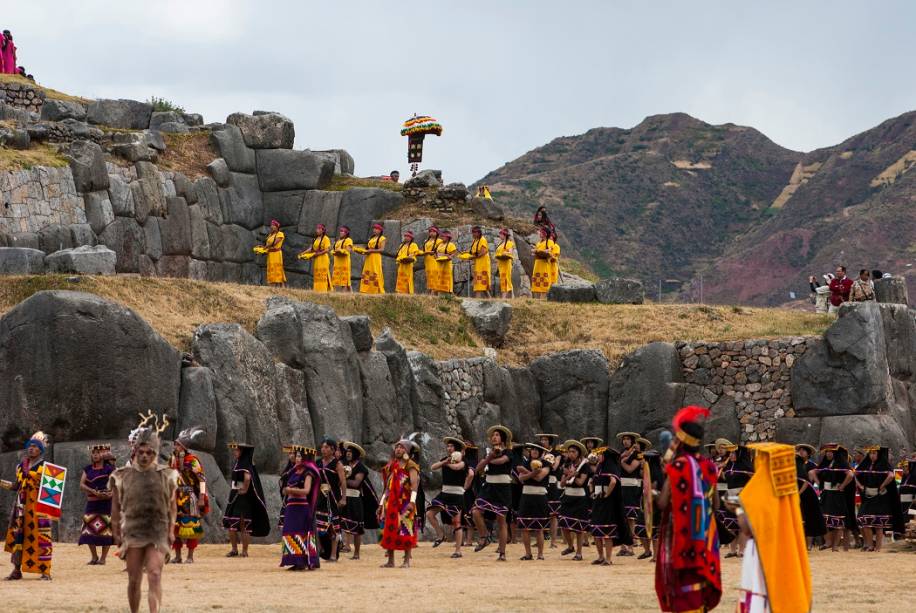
x: 27, y: 524
x: 775, y: 574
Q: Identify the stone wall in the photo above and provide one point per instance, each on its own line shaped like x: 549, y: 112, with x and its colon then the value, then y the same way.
x: 22, y: 96
x: 33, y: 199
x: 754, y: 374
x: 462, y: 383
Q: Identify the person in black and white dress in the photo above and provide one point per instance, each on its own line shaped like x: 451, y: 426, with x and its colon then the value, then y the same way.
x: 608, y: 523
x: 534, y: 512
x: 495, y: 499
x: 449, y: 504
x: 575, y: 505
x: 549, y: 441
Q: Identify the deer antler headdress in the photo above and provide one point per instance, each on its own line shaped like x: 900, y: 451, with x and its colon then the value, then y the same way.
x: 148, y: 430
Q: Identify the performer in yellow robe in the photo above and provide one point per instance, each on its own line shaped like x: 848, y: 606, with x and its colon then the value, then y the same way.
x: 444, y: 254
x: 776, y: 575
x: 321, y: 261
x: 408, y: 253
x: 554, y: 258
x: 542, y: 275
x: 479, y: 254
x: 274, y: 247
x: 505, y: 254
x: 430, y: 247
x: 343, y: 247
x: 28, y: 537
x: 373, y: 279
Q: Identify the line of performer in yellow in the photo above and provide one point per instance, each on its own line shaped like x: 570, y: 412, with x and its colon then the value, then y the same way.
x: 438, y: 252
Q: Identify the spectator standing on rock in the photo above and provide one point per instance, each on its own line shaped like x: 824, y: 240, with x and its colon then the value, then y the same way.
x: 8, y: 51
x: 821, y: 292
x: 862, y: 289
x: 840, y: 286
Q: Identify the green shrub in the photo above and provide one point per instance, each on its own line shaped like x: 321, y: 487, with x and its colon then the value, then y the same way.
x: 161, y: 104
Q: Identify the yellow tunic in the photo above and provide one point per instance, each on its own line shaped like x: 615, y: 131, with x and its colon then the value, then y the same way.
x: 341, y: 276
x: 321, y: 265
x: 480, y: 253
x: 445, y: 276
x: 429, y: 262
x: 407, y: 251
x: 554, y: 262
x: 542, y: 275
x: 504, y: 265
x: 274, y: 245
x: 373, y: 279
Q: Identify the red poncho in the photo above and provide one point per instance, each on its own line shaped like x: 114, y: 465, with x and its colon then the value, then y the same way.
x: 399, y: 527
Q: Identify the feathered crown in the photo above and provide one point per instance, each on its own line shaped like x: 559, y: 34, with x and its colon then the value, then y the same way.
x: 689, y: 416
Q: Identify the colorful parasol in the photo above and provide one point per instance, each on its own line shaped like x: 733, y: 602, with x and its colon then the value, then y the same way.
x: 415, y: 129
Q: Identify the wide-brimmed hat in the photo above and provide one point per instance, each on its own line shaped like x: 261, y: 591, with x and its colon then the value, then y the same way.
x: 506, y: 432
x: 632, y: 435
x: 543, y: 450
x: 646, y: 443
x: 810, y: 448
x: 730, y: 448
x: 710, y: 446
x: 457, y: 442
x: 237, y: 445
x: 831, y: 447
x: 553, y: 437
x: 354, y: 447
x: 577, y: 445
x: 598, y: 441
x: 724, y: 442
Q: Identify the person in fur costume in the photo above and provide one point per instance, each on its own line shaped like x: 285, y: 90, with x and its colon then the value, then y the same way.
x: 143, y: 512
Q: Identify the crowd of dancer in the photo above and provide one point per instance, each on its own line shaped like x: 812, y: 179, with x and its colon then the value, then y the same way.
x: 544, y: 494
x: 331, y: 260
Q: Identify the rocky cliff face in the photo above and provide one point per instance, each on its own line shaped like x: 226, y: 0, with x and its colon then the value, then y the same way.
x: 81, y: 368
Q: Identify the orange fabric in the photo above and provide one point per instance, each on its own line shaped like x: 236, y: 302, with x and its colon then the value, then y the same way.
x: 774, y: 513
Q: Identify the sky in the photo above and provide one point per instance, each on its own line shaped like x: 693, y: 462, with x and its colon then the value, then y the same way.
x: 503, y: 77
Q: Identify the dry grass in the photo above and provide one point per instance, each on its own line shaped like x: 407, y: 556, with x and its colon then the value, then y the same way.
x: 50, y: 93
x: 435, y: 582
x: 463, y: 216
x: 176, y: 307
x: 341, y: 183
x: 188, y: 154
x: 37, y: 155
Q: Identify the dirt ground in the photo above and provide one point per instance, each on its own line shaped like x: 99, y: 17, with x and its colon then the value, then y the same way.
x: 435, y: 583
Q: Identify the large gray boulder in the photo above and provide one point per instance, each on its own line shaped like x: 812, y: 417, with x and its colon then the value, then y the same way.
x: 285, y: 169
x: 54, y: 237
x: 200, y: 239
x: 264, y: 131
x: 360, y: 331
x: 175, y: 228
x: 311, y: 338
x: 245, y: 388
x: 58, y: 110
x: 232, y: 148
x: 237, y: 244
x: 120, y: 196
x: 892, y: 290
x: 241, y: 202
x: 79, y: 367
x: 620, y: 291
x: 318, y: 207
x: 862, y: 430
x: 197, y: 406
x: 220, y: 172
x: 359, y: 207
x: 123, y: 114
x: 570, y: 288
x: 573, y: 386
x: 402, y: 378
x: 99, y: 212
x: 514, y: 392
x: 126, y: 238
x: 85, y: 260
x: 382, y: 423
x: 158, y: 118
x: 847, y: 372
x: 208, y: 199
x: 21, y: 261
x: 292, y: 406
x: 148, y: 197
x: 343, y: 161
x: 430, y: 418
x: 490, y: 319
x: 645, y: 391
x: 425, y: 178
x: 81, y: 234
x: 285, y: 207
x: 87, y: 163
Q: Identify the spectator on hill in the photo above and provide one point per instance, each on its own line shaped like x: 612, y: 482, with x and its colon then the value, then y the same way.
x: 483, y: 192
x: 839, y: 289
x: 820, y: 293
x: 394, y: 176
x: 862, y: 289
x: 8, y: 51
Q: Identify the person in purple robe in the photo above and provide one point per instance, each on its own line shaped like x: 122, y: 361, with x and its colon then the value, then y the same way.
x: 96, y: 530
x: 300, y: 537
x: 8, y: 51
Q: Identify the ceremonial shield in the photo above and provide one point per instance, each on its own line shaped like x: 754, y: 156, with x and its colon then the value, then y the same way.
x: 51, y: 491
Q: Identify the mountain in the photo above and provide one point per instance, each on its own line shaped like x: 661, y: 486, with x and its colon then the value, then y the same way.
x: 675, y: 199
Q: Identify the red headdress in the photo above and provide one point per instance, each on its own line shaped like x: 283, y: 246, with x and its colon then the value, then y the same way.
x: 378, y: 226
x: 687, y: 427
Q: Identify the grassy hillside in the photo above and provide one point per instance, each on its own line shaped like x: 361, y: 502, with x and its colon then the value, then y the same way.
x: 175, y: 307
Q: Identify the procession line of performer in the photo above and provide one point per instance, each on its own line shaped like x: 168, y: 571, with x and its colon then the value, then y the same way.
x: 331, y: 261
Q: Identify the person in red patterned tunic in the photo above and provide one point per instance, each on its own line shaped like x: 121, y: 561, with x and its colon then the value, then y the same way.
x: 687, y: 572
x: 397, y: 510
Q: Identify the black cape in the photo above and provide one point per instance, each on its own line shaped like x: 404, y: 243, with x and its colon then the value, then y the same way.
x: 260, y: 520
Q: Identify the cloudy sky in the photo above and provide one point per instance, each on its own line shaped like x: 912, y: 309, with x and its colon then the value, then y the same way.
x: 502, y: 76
